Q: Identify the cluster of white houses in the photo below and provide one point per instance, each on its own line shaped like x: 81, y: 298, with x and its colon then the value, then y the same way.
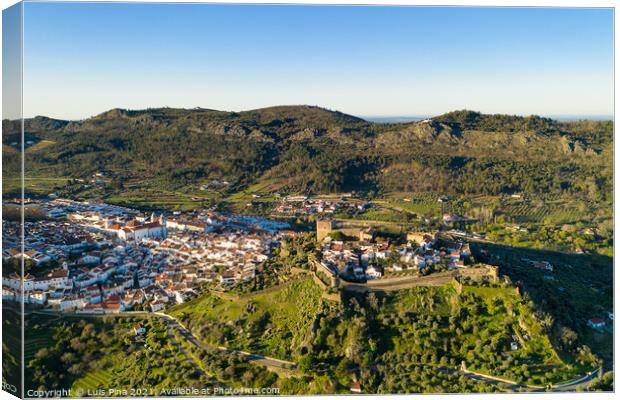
x: 351, y: 260
x: 368, y: 259
x: 229, y: 257
x: 421, y: 252
x: 303, y: 205
x: 100, y: 258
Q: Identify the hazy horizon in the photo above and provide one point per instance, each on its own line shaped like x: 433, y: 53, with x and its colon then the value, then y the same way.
x: 84, y: 58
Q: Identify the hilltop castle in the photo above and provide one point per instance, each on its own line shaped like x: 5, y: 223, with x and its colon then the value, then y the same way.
x: 326, y: 226
x: 323, y: 228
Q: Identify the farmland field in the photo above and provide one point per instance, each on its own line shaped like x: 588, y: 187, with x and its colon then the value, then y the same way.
x: 264, y: 188
x: 550, y: 212
x: 94, y: 380
x: 33, y: 185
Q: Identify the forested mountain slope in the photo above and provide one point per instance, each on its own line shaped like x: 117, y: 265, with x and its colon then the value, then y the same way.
x: 311, y: 149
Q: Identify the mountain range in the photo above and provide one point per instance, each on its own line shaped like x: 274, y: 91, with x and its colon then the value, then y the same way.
x: 312, y: 149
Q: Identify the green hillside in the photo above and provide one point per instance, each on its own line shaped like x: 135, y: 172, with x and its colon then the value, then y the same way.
x: 441, y: 328
x: 273, y: 323
x: 104, y: 353
x: 312, y: 149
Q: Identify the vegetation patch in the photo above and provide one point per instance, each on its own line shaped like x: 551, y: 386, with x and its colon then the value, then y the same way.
x: 275, y: 322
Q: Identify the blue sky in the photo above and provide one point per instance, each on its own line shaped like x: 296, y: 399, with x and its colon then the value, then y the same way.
x: 82, y: 59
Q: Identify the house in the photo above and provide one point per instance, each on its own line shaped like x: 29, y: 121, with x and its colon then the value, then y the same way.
x: 596, y: 323
x: 546, y: 265
x: 93, y: 293
x: 157, y: 305
x: 456, y: 264
x: 228, y: 277
x: 37, y: 257
x: 36, y: 297
x: 112, y: 306
x: 139, y: 330
x: 13, y: 281
x: 91, y: 308
x: 71, y: 303
x: 355, y: 387
x: 9, y: 294
x: 454, y: 256
x: 465, y: 250
x: 86, y: 280
x: 419, y: 261
x: 373, y: 272
x: 178, y: 296
x: 59, y: 278
x: 461, y: 248
x: 90, y: 259
x: 296, y: 198
x: 425, y: 240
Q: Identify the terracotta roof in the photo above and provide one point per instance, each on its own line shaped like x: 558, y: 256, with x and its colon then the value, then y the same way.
x: 59, y: 273
x: 111, y: 305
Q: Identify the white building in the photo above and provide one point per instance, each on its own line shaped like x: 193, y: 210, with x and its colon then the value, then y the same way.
x: 136, y: 231
x: 373, y: 273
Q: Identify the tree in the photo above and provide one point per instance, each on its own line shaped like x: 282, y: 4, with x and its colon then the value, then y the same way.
x: 42, y: 353
x: 567, y: 336
x: 342, y: 370
x: 305, y: 362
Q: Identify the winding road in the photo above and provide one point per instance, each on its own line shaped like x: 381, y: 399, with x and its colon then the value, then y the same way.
x: 186, y: 333
x: 174, y: 323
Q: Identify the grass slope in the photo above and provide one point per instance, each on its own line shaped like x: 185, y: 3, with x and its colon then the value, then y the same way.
x: 274, y: 322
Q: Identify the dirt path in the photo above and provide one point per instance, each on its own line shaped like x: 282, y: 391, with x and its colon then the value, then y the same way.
x: 398, y: 283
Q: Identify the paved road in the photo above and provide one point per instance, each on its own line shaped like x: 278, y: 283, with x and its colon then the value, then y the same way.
x: 519, y: 387
x: 174, y: 341
x: 572, y: 385
x: 515, y: 387
x: 186, y: 333
x: 273, y: 362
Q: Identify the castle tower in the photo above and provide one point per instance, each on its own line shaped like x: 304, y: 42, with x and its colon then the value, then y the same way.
x: 323, y: 228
